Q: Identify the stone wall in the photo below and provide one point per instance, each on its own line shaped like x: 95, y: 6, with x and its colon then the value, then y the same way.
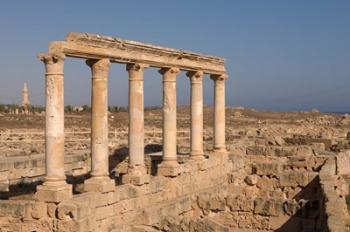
x: 257, y: 187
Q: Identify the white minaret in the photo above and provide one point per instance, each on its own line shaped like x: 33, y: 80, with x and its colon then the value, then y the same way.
x: 25, y: 96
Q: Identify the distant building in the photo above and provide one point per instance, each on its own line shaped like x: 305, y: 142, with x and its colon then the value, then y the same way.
x: 25, y: 96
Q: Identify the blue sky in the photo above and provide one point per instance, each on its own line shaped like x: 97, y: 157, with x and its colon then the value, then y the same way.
x: 281, y: 55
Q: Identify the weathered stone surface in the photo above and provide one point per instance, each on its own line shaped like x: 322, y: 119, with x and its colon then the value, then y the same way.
x: 268, y: 207
x: 294, y: 179
x: 343, y: 163
x: 240, y: 203
x: 266, y: 168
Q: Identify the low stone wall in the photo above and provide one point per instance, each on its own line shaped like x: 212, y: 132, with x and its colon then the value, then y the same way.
x: 298, y: 189
x: 126, y: 207
x: 28, y: 169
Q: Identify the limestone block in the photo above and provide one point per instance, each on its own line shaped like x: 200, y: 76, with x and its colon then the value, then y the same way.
x: 113, y: 197
x: 51, y: 210
x: 291, y: 207
x: 16, y: 209
x: 251, y: 179
x: 293, y: 179
x: 42, y: 226
x: 104, y: 212
x: 268, y: 207
x: 70, y: 226
x: 267, y: 168
x: 127, y: 191
x: 256, y: 150
x: 158, y: 184
x: 240, y: 203
x: 36, y: 210
x: 99, y: 185
x: 4, y: 166
x: 136, y: 179
x: 54, y: 193
x: 169, y: 171
x: 266, y: 183
x: 4, y: 185
x: 343, y: 163
x: 329, y: 168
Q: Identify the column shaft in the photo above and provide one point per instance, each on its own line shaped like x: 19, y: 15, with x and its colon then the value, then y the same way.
x: 54, y: 119
x: 136, y: 116
x: 196, y: 114
x: 169, y: 116
x: 99, y: 117
x: 219, y: 112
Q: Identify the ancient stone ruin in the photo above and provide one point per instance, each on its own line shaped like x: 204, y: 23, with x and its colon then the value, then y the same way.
x: 260, y: 174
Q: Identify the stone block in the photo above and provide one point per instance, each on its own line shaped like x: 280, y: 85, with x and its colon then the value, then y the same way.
x: 240, y: 203
x: 103, y: 185
x: 127, y: 191
x: 329, y: 168
x: 293, y: 179
x: 267, y: 168
x: 157, y: 184
x: 256, y: 150
x: 113, y: 197
x: 42, y: 226
x: 16, y: 209
x: 36, y: 210
x: 104, y: 212
x: 4, y: 166
x: 54, y: 193
x: 51, y: 210
x: 251, y: 179
x: 343, y: 163
x: 169, y: 171
x: 268, y: 207
x: 4, y: 186
x: 136, y: 179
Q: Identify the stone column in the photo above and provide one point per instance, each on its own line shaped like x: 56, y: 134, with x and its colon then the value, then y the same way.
x: 219, y: 112
x: 137, y: 173
x: 169, y: 165
x: 54, y: 188
x: 196, y: 115
x: 100, y: 180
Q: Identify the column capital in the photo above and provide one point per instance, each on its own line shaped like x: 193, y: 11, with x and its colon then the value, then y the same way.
x: 169, y: 74
x: 136, y: 67
x: 53, y: 62
x: 195, y: 76
x: 219, y: 77
x: 51, y: 58
x: 102, y: 64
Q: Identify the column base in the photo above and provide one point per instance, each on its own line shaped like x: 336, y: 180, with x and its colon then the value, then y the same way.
x: 54, y: 193
x: 169, y: 169
x: 99, y: 184
x: 136, y: 175
x: 196, y: 156
x: 221, y: 154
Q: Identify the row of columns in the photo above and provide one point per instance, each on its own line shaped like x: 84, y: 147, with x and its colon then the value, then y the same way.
x: 55, y: 177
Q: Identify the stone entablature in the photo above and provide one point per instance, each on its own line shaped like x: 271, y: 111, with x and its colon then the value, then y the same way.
x: 93, y: 46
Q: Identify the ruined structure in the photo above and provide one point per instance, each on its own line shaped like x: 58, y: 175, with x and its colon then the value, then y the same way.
x: 25, y: 96
x: 100, y: 52
x: 274, y: 176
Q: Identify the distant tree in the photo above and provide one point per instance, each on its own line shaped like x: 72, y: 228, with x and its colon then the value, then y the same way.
x: 68, y: 109
x: 86, y: 108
